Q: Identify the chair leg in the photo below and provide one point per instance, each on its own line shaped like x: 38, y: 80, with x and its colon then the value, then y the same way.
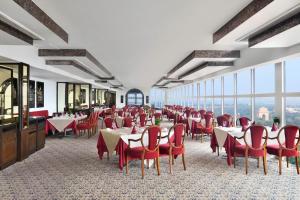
x: 297, y: 164
x: 234, y: 160
x: 107, y: 155
x: 172, y: 159
x: 201, y: 135
x: 170, y: 162
x: 154, y: 165
x: 280, y: 161
x: 218, y: 150
x: 246, y: 163
x: 158, y: 167
x: 148, y: 166
x: 126, y: 159
x: 265, y: 163
x: 258, y: 162
x: 143, y: 170
x: 287, y: 162
x: 183, y: 162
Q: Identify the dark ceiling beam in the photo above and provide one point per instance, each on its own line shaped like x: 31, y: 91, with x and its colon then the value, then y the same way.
x: 42, y: 17
x: 73, y: 53
x: 251, y: 9
x: 204, y: 65
x: 78, y: 66
x: 15, y: 32
x: 205, y: 54
x: 174, y: 81
x: 275, y: 30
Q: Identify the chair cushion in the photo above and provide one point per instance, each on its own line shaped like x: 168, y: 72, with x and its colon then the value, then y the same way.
x: 84, y: 126
x: 240, y: 150
x: 164, y: 149
x: 138, y: 151
x: 274, y: 150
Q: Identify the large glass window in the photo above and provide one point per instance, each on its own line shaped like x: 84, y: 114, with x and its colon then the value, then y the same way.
x: 208, y: 103
x: 217, y: 87
x: 208, y: 88
x: 243, y: 107
x: 229, y: 84
x: 264, y: 110
x: 292, y: 110
x: 292, y: 71
x: 244, y: 82
x: 229, y: 106
x: 265, y: 79
x: 217, y: 106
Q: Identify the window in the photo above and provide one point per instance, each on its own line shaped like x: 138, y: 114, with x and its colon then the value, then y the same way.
x: 217, y: 87
x: 208, y: 103
x: 208, y: 88
x: 134, y: 97
x: 229, y: 84
x: 229, y: 106
x: 265, y: 79
x: 217, y: 107
x: 292, y: 71
x: 292, y: 110
x: 243, y: 107
x: 244, y: 82
x: 264, y: 110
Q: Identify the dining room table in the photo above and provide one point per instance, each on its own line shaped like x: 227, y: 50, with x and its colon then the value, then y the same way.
x: 64, y: 122
x: 116, y: 140
x: 225, y: 137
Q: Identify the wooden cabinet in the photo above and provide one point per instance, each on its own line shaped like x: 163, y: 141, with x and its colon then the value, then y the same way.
x: 8, y: 145
x: 32, y: 132
x: 41, y: 133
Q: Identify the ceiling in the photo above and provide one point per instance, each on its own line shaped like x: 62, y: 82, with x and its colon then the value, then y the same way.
x: 139, y: 41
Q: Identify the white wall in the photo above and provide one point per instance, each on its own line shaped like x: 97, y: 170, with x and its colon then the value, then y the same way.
x: 49, y: 95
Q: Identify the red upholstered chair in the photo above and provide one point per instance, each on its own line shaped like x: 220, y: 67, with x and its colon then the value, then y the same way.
x: 150, y: 151
x: 195, y: 114
x: 256, y: 148
x: 204, y: 130
x: 223, y: 121
x: 157, y: 116
x: 143, y: 119
x: 187, y: 113
x: 230, y: 119
x: 210, y: 113
x: 108, y: 121
x: 175, y: 147
x: 202, y: 113
x: 120, y: 113
x: 288, y: 148
x: 244, y: 122
x: 127, y: 122
x: 89, y: 125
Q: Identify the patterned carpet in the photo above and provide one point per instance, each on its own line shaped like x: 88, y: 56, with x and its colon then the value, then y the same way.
x: 69, y: 168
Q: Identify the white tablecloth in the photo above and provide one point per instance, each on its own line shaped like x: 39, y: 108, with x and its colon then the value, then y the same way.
x: 60, y: 123
x: 111, y: 137
x: 191, y: 119
x: 221, y: 135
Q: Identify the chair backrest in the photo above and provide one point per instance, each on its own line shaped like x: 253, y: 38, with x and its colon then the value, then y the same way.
x: 258, y: 139
x: 229, y: 119
x: 195, y: 114
x: 143, y: 119
x: 108, y: 121
x: 202, y: 113
x: 127, y: 122
x: 290, y: 135
x: 208, y: 120
x: 244, y: 122
x: 210, y: 113
x: 120, y: 113
x: 223, y: 121
x: 179, y: 130
x: 188, y: 113
x: 154, y: 135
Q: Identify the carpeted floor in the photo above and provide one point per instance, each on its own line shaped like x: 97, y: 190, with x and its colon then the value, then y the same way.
x: 69, y: 168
